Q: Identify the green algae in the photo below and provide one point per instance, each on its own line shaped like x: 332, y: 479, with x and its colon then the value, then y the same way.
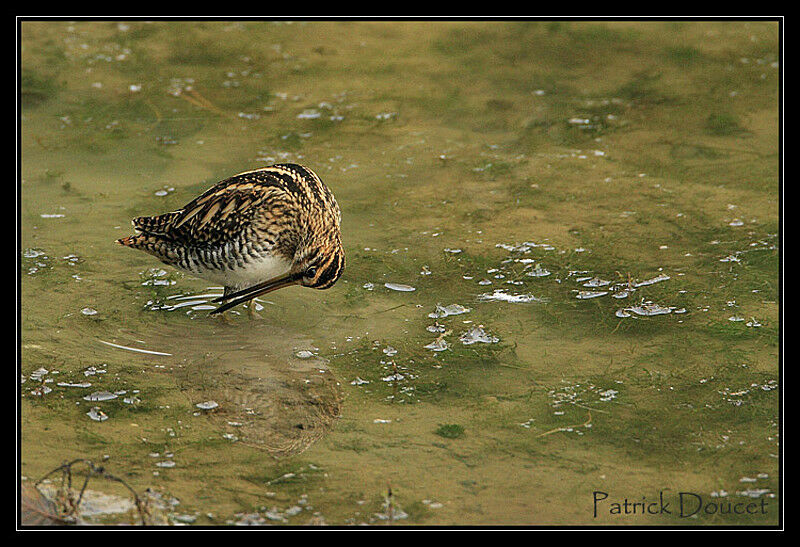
x: 450, y: 431
x: 445, y: 136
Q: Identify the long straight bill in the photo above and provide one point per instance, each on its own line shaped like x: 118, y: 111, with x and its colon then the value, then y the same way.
x: 255, y: 291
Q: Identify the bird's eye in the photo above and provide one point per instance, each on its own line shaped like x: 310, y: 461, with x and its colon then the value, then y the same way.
x: 311, y: 272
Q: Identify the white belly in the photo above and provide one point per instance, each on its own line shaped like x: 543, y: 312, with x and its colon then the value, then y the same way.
x: 249, y: 275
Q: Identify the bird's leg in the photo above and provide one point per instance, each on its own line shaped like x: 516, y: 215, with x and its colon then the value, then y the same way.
x: 224, y: 318
x: 251, y: 310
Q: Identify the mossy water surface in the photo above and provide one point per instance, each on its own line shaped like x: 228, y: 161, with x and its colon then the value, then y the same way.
x: 518, y: 170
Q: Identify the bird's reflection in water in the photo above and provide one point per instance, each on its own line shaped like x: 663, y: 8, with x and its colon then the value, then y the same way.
x: 272, y: 393
x: 282, y: 411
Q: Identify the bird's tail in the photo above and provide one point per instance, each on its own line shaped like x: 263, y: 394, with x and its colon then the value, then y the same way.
x: 160, y: 247
x: 148, y: 229
x: 135, y: 241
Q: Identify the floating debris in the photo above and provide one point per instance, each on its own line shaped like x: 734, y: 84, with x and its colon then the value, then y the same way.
x: 368, y: 286
x: 657, y: 279
x: 538, y: 271
x: 389, y: 350
x: 359, y: 381
x: 293, y: 510
x: 596, y: 282
x: 585, y: 295
x: 33, y: 253
x: 39, y: 373
x: 207, y: 405
x: 304, y: 354
x: 41, y: 390
x: 399, y: 287
x: 167, y: 464
x: 157, y: 277
x: 99, y: 396
x: 275, y: 515
x: 164, y: 191
x: 138, y: 350
x: 184, y: 519
x: 437, y: 345
x: 753, y: 492
x: 477, y: 334
x: 249, y: 519
x: 648, y: 308
x: 309, y: 114
x: 396, y: 377
x: 444, y: 311
x: 525, y: 247
x: 499, y: 296
x: 608, y: 395
x: 89, y: 311
x: 97, y: 415
x: 283, y: 478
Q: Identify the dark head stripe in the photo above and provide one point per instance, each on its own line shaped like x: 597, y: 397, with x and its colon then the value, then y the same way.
x: 330, y: 272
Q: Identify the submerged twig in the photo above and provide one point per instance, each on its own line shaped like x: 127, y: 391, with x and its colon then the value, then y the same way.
x: 70, y: 504
x: 199, y: 101
x: 390, y: 503
x: 388, y: 309
x: 565, y: 428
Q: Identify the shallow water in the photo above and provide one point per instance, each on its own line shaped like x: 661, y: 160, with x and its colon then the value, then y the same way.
x: 636, y: 164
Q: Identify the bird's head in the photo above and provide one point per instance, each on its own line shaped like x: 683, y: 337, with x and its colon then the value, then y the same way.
x: 320, y: 264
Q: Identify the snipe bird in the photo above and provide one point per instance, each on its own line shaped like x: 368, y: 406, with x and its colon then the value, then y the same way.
x: 253, y: 233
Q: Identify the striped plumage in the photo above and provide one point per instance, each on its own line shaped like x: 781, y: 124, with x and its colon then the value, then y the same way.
x: 262, y: 229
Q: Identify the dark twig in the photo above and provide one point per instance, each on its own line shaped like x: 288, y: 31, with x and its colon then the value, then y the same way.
x: 93, y: 471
